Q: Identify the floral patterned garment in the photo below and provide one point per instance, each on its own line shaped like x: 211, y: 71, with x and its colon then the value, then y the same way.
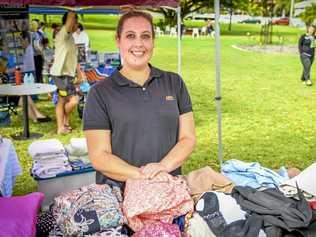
x: 88, y: 210
x: 149, y: 201
x: 159, y: 229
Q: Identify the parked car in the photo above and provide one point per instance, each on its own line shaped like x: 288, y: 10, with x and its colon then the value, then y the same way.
x: 250, y: 21
x: 282, y: 21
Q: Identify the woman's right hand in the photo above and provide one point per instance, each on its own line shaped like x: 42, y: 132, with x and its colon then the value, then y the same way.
x: 163, y: 176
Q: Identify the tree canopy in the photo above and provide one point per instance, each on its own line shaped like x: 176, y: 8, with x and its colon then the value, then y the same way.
x: 309, y: 15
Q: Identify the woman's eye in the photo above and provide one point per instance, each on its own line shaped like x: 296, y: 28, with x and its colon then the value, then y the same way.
x: 147, y: 36
x: 130, y: 36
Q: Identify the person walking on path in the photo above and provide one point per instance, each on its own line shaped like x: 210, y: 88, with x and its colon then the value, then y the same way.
x: 306, y: 46
x: 63, y: 71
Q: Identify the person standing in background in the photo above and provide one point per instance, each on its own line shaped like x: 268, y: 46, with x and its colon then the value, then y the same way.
x: 37, y: 38
x: 42, y: 30
x: 307, y: 52
x: 28, y: 66
x: 63, y: 71
x: 55, y: 30
x: 81, y: 37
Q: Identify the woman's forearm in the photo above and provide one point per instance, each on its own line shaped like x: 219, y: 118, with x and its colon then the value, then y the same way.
x: 178, y: 154
x: 114, y: 167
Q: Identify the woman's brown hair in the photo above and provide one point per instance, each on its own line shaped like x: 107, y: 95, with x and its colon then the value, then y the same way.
x: 132, y: 14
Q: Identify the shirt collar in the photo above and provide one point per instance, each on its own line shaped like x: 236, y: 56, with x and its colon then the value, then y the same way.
x: 119, y: 79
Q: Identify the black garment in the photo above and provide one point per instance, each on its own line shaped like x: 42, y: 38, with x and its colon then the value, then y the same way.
x: 212, y: 215
x: 38, y: 61
x: 11, y: 100
x: 304, y: 45
x: 307, y: 65
x: 279, y: 213
x: 45, y: 223
x: 144, y: 121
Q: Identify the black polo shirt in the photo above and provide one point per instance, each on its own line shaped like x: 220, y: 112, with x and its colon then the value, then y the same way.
x: 144, y: 120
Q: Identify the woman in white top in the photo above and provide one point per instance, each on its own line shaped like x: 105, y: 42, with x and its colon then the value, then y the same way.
x: 81, y: 37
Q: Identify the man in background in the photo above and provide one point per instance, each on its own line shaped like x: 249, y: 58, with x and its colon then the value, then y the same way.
x: 64, y: 71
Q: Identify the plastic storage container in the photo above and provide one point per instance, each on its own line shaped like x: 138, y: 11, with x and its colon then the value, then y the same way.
x: 64, y: 182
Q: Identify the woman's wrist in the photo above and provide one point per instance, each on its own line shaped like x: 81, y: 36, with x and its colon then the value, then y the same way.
x: 164, y: 167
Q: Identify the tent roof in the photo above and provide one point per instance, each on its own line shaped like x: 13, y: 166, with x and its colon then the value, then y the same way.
x: 60, y: 10
x: 73, y: 3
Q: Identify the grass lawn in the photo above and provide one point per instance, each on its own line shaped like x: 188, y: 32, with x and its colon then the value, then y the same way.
x: 268, y: 115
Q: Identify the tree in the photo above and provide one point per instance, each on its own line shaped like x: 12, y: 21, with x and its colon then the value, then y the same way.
x: 262, y: 7
x: 187, y: 7
x: 233, y: 5
x: 282, y: 7
x: 309, y: 15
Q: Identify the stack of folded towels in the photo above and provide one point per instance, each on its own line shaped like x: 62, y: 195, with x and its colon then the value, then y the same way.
x: 78, y: 153
x: 49, y: 158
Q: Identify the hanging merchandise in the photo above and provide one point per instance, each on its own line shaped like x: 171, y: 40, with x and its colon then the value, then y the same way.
x: 13, y: 20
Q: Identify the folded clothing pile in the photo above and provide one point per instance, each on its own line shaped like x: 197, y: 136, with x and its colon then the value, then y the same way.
x: 49, y: 158
x: 78, y: 153
x: 89, y: 209
x: 150, y: 201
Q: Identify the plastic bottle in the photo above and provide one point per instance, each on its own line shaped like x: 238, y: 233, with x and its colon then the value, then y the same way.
x: 31, y: 78
x: 18, y: 76
x: 26, y: 78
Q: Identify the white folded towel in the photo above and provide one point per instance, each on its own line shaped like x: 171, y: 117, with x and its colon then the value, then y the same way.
x: 45, y: 147
x: 79, y: 145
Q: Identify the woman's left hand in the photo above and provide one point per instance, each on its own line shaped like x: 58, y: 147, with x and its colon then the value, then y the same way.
x: 152, y: 169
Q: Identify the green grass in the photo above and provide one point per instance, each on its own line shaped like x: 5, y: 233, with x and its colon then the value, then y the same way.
x: 268, y: 115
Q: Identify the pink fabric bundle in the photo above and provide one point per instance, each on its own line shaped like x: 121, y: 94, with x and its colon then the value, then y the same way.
x: 159, y: 229
x: 150, y: 201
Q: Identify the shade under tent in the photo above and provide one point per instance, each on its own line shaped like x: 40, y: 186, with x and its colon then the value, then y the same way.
x: 170, y: 4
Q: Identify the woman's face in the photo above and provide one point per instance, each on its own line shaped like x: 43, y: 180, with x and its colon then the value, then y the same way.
x: 311, y: 30
x: 136, y: 43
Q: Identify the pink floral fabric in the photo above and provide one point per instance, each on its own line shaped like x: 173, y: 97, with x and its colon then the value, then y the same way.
x: 159, y: 229
x: 149, y: 201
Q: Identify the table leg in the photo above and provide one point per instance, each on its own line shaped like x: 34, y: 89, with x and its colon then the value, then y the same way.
x: 26, y: 127
x: 26, y: 130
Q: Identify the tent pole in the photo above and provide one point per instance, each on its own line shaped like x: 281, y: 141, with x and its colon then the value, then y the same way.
x: 178, y: 10
x: 218, y: 82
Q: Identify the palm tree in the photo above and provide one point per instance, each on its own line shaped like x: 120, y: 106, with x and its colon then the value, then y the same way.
x: 309, y: 15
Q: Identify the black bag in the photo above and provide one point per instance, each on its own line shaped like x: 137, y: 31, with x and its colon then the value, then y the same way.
x: 5, y: 118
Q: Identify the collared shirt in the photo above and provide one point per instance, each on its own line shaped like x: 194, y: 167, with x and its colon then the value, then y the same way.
x: 144, y: 120
x: 65, y: 58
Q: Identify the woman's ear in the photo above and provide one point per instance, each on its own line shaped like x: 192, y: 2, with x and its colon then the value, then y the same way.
x: 117, y: 40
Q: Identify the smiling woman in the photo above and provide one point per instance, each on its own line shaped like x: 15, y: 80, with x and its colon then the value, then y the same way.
x: 138, y: 123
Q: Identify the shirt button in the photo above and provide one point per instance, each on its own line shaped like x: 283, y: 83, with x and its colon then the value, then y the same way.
x: 144, y: 88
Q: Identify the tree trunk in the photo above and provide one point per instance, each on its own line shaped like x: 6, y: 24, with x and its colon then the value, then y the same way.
x: 45, y: 18
x: 230, y: 19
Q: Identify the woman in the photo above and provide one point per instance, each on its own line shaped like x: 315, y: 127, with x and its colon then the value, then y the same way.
x: 138, y: 123
x: 81, y: 37
x: 307, y: 50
